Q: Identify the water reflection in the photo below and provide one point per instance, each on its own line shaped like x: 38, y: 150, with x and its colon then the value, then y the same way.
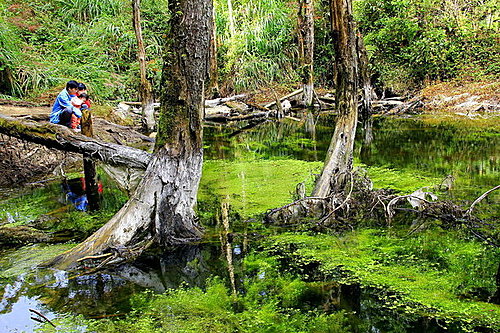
x: 471, y: 157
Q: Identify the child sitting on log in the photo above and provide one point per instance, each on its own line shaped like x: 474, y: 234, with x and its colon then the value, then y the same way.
x: 78, y: 103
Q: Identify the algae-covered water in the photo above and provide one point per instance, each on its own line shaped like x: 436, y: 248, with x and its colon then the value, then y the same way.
x: 255, y: 170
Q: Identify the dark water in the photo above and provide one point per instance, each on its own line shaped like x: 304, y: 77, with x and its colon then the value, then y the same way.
x: 470, y: 155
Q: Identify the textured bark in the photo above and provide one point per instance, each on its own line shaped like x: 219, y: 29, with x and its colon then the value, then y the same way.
x: 161, y: 208
x: 145, y: 89
x: 91, y: 188
x: 62, y: 138
x: 339, y: 157
x: 306, y: 48
x: 213, y: 82
x: 365, y: 112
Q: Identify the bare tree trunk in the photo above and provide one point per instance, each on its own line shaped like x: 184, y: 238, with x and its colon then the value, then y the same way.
x: 306, y: 48
x: 232, y: 30
x: 339, y: 157
x: 365, y: 112
x: 91, y: 188
x: 213, y: 82
x: 145, y: 89
x: 161, y: 208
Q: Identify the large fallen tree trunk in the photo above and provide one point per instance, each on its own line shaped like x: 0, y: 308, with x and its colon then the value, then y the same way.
x: 62, y: 138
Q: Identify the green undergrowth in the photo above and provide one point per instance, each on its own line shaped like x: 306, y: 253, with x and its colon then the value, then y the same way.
x: 216, y: 309
x: 435, y: 274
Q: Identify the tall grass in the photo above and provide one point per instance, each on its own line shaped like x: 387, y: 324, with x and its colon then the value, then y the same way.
x: 87, y: 10
x: 261, y: 50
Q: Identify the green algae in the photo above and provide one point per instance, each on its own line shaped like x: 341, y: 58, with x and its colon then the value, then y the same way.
x: 255, y: 186
x: 19, y: 261
x: 260, y: 309
x: 436, y: 275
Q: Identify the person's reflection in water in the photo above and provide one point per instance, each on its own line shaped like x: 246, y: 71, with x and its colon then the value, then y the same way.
x: 75, y: 192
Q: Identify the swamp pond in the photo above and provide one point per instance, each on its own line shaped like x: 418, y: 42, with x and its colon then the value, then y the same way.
x: 245, y: 276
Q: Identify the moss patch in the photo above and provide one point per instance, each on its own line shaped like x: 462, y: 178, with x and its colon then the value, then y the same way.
x: 434, y: 275
x: 257, y: 185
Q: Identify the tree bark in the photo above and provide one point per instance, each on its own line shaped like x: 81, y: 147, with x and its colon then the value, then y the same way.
x: 62, y: 138
x: 339, y: 157
x: 213, y: 82
x: 306, y: 48
x: 145, y: 89
x: 161, y: 208
x: 91, y: 188
x: 364, y: 80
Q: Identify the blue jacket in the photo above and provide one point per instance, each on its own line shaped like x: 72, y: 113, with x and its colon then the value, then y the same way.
x: 62, y: 102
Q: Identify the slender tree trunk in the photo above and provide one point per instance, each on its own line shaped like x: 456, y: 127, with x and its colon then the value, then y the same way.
x: 91, y: 188
x: 339, y: 157
x: 232, y: 30
x: 213, y: 82
x: 145, y: 89
x: 161, y: 208
x: 365, y: 112
x: 306, y: 48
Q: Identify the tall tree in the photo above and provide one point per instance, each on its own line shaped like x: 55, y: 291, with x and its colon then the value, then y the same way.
x: 161, y: 208
x: 145, y: 89
x: 339, y: 157
x: 213, y: 82
x: 306, y: 48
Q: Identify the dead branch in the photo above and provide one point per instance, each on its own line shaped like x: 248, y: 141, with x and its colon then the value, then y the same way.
x: 41, y: 315
x: 214, y: 102
x: 479, y: 199
x: 296, y: 92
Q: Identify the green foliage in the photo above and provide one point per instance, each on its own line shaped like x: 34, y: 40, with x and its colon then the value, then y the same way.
x: 87, y: 10
x: 261, y: 49
x: 195, y: 310
x: 413, y: 41
x: 436, y: 274
x: 88, y: 41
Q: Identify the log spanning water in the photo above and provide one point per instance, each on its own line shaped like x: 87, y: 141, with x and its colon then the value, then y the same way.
x: 62, y: 138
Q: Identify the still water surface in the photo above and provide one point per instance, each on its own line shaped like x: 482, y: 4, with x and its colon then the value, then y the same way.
x: 471, y: 156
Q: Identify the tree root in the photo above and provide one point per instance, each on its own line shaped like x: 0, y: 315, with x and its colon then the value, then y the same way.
x: 363, y: 205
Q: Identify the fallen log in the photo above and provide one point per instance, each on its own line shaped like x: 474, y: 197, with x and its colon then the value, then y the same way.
x: 296, y: 92
x: 62, y: 138
x: 221, y: 118
x: 214, y: 102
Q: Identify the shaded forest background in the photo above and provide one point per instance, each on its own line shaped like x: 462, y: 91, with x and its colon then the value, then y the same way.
x: 410, y: 43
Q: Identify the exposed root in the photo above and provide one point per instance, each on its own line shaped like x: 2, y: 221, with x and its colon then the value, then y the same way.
x: 363, y: 205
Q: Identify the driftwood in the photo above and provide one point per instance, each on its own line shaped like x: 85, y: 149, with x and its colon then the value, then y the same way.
x: 208, y: 103
x: 213, y: 102
x: 296, y: 92
x: 62, y: 138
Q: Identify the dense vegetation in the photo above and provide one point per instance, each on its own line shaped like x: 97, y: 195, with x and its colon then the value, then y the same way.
x: 285, y: 282
x: 45, y: 43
